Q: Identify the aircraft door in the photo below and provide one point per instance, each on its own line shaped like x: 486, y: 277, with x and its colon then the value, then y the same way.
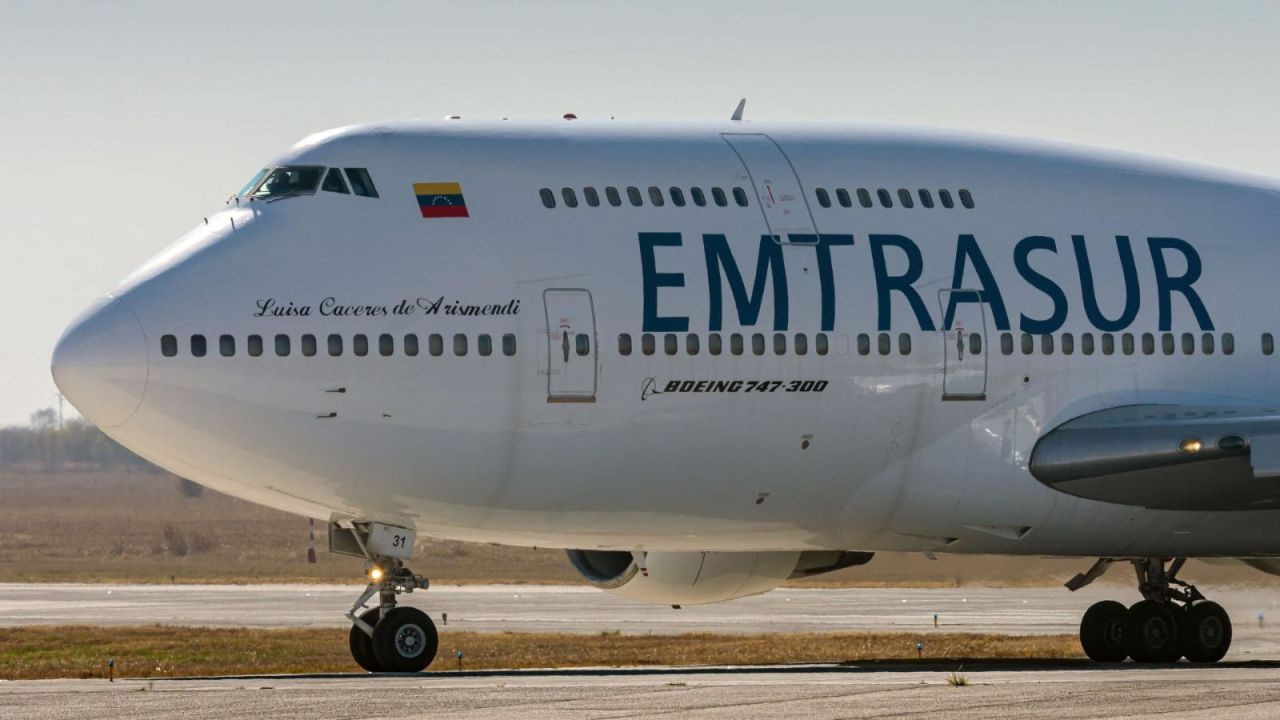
x: 964, y: 340
x: 571, y: 345
x: 776, y: 185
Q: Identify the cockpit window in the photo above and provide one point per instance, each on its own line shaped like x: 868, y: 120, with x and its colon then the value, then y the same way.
x: 361, y: 183
x: 253, y: 182
x: 333, y: 182
x: 289, y: 181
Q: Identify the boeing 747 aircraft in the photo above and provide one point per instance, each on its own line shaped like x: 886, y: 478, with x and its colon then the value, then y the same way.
x: 709, y: 357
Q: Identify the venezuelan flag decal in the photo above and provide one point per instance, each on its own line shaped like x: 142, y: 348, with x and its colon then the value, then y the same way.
x: 441, y: 200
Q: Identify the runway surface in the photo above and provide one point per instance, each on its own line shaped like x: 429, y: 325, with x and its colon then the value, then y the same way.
x: 1056, y: 691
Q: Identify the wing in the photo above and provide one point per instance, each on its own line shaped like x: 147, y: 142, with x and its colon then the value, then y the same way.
x: 1166, y: 457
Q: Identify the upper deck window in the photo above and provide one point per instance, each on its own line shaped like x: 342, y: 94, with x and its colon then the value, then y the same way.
x: 284, y: 181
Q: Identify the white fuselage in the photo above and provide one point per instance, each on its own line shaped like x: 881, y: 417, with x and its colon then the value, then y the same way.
x: 572, y: 442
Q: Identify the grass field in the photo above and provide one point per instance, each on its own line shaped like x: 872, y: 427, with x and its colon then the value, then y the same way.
x: 154, y: 651
x: 141, y: 527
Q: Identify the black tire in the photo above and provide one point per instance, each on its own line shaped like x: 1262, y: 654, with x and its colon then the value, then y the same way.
x: 362, y: 645
x: 405, y: 640
x: 1151, y: 632
x: 1102, y: 631
x: 1206, y: 632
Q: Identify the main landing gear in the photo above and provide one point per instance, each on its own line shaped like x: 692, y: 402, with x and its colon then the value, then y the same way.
x: 1172, y: 621
x: 391, y: 638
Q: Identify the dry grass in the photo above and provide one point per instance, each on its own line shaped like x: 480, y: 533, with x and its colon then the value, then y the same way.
x: 155, y: 651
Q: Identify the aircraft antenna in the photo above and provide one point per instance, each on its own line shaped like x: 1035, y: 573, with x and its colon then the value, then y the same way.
x: 737, y: 112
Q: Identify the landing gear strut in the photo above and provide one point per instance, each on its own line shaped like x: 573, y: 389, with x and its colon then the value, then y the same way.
x: 390, y: 638
x: 1173, y: 619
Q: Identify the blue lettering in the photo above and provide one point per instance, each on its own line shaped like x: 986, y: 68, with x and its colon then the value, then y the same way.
x: 1166, y: 286
x: 1132, y: 299
x: 822, y: 245
x: 1020, y: 252
x: 769, y: 261
x: 887, y: 284
x: 654, y: 280
x: 967, y: 250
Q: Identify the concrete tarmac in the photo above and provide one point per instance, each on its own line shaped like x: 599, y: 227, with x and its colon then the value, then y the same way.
x: 1054, y: 691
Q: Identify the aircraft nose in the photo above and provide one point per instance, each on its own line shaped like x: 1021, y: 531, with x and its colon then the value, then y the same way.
x: 100, y: 363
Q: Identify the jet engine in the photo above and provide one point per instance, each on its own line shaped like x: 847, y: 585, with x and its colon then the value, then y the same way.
x: 692, y: 578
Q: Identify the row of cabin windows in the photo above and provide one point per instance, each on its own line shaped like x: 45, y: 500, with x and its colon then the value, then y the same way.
x: 1129, y: 343
x: 886, y: 198
x: 334, y: 345
x: 636, y: 198
x: 737, y: 344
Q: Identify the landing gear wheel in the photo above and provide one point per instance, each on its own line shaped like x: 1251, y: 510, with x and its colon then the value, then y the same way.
x: 362, y: 645
x: 1206, y: 632
x: 1102, y: 631
x: 1151, y: 633
x: 405, y: 640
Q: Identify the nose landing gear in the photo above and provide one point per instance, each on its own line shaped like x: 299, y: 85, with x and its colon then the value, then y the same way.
x: 1173, y: 619
x: 391, y: 638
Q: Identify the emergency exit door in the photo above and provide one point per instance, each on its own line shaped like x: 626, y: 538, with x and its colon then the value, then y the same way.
x: 571, y: 346
x: 776, y: 186
x: 964, y: 340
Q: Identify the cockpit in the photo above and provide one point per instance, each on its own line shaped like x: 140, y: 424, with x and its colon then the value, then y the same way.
x: 293, y: 180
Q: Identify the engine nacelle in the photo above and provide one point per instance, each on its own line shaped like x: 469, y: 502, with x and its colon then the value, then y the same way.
x: 692, y: 578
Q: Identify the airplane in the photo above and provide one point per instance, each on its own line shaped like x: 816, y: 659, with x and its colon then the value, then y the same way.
x: 709, y: 357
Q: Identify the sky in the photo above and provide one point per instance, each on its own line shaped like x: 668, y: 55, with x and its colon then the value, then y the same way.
x: 123, y: 124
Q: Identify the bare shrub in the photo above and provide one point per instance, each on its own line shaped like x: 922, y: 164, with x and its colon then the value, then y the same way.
x: 190, y: 489
x: 174, y: 542
x: 201, y: 543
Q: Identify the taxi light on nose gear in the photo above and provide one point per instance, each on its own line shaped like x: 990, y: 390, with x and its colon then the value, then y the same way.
x: 1190, y: 446
x: 375, y: 574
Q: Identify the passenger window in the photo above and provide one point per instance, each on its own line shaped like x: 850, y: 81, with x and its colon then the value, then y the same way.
x: 309, y: 345
x: 801, y: 344
x: 1046, y: 344
x: 227, y: 346
x: 1108, y: 344
x: 904, y: 343
x: 460, y: 345
x: 740, y: 197
x: 1068, y: 344
x: 168, y: 345
x: 1228, y: 344
x: 646, y: 343
x: 713, y: 344
x: 1028, y: 344
x: 333, y: 182
x: 975, y: 344
x: 904, y: 198
x: 691, y: 344
x: 1148, y: 344
x: 633, y: 194
x: 361, y: 182
x: 842, y: 197
x: 360, y: 345
x: 548, y: 198
x: 718, y: 196
x: 882, y: 343
x: 944, y: 196
x: 435, y: 345
x: 670, y: 345
x: 591, y: 196
x: 824, y: 199
x: 1006, y: 343
x: 1166, y: 343
x: 570, y: 197
x: 254, y: 345
x: 757, y: 344
x: 1268, y: 344
x: 925, y: 198
x: 611, y: 194
x: 484, y: 345
x: 820, y: 343
x: 509, y: 344
x: 677, y: 196
x: 655, y: 196
x: 624, y: 344
x: 1206, y: 343
x: 1126, y: 343
x: 386, y: 345
x: 886, y: 200
x: 864, y: 198
x: 699, y: 197
x: 1086, y: 343
x: 966, y: 199
x: 199, y: 347
x: 864, y: 344
x: 411, y: 345
x: 779, y: 344
x: 1188, y: 344
x: 282, y: 345
x: 735, y: 344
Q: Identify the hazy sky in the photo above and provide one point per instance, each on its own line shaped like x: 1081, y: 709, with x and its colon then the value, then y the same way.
x: 123, y: 123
